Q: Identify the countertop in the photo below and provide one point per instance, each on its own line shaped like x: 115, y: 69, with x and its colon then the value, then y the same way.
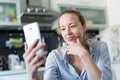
x: 17, y: 74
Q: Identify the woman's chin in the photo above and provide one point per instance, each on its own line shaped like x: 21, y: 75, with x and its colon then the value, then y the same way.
x: 69, y: 42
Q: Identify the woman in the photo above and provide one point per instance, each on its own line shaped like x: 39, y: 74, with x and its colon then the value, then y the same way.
x: 81, y: 59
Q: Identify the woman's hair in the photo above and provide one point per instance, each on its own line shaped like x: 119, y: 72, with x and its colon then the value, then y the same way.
x: 75, y: 12
x: 82, y: 21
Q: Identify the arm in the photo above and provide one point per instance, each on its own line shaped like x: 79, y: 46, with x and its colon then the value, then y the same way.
x: 76, y: 48
x: 104, y: 63
x: 101, y: 71
x: 33, y: 62
x: 94, y: 71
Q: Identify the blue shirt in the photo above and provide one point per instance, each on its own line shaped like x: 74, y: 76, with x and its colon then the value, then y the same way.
x: 57, y: 66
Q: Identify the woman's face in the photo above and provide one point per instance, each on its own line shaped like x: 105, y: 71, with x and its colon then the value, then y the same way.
x: 71, y: 28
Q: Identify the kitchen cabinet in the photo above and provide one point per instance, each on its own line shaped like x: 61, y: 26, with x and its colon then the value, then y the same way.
x: 11, y: 11
x: 96, y: 17
x: 96, y: 3
x: 95, y: 11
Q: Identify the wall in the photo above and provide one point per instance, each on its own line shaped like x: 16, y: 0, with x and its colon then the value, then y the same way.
x: 114, y: 19
x: 114, y: 11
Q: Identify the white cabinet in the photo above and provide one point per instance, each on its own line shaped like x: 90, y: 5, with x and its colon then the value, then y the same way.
x: 99, y: 3
x: 95, y: 11
x: 96, y: 17
x: 95, y: 3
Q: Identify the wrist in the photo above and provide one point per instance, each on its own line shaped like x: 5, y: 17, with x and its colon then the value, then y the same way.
x: 34, y: 76
x: 83, y: 54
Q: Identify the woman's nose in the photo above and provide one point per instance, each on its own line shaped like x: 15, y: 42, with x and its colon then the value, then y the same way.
x: 68, y: 31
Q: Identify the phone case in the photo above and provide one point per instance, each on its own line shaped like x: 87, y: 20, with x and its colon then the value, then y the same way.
x: 32, y: 32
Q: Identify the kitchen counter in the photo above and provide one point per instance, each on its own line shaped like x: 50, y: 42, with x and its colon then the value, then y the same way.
x: 17, y: 74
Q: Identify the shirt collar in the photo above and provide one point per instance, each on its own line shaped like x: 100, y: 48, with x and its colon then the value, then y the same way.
x: 91, y: 51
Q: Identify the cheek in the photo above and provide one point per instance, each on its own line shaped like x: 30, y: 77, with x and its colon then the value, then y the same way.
x: 77, y: 33
x: 63, y: 36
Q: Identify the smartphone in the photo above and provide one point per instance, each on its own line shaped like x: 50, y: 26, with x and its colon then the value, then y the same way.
x: 32, y: 32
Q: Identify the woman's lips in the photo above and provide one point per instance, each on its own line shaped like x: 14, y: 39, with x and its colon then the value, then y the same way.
x: 70, y: 38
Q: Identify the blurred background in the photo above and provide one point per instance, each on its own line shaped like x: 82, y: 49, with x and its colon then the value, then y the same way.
x: 102, y: 18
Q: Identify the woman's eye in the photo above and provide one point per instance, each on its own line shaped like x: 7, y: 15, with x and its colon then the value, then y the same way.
x: 62, y: 29
x: 73, y: 26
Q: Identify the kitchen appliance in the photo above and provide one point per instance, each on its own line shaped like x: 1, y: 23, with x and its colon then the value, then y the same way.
x: 40, y: 14
x: 39, y: 11
x: 13, y: 61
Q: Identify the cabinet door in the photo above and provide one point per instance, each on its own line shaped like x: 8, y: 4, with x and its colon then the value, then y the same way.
x: 95, y: 3
x: 99, y: 3
x: 96, y: 17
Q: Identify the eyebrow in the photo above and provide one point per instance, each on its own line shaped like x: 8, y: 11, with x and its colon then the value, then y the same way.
x: 68, y: 25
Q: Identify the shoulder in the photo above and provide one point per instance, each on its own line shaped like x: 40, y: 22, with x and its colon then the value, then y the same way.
x: 100, y: 49
x: 57, y: 54
x: 58, y: 51
x: 97, y: 44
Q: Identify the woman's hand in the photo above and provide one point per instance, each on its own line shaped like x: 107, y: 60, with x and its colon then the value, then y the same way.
x: 32, y: 61
x: 76, y: 48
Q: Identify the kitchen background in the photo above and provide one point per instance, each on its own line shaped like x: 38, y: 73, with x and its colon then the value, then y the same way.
x: 102, y: 18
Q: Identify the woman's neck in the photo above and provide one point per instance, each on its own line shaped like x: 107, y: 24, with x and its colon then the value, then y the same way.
x: 76, y: 62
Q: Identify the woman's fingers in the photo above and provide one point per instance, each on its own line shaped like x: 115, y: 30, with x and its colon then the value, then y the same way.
x: 34, y: 67
x: 37, y: 61
x: 38, y: 48
x: 78, y: 39
x: 32, y: 54
x: 38, y: 58
x: 41, y: 62
x: 28, y: 49
x: 74, y: 47
x: 32, y: 46
x: 33, y: 61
